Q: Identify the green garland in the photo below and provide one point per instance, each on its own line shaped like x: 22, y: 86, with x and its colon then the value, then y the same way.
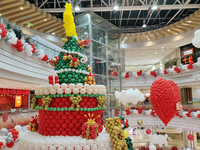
x: 69, y: 95
x: 129, y: 143
x: 69, y: 109
x: 124, y: 122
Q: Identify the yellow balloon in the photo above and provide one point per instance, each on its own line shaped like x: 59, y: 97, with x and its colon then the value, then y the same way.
x: 126, y: 134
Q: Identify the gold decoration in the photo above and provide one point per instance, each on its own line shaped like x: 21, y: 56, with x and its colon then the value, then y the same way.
x: 46, y: 101
x: 169, y: 140
x: 101, y: 100
x: 74, y: 62
x: 140, y: 122
x: 64, y: 40
x: 75, y: 102
x: 114, y: 128
x: 34, y: 102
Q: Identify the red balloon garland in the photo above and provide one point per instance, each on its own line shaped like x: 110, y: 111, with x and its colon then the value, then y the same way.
x: 11, y: 144
x: 174, y: 148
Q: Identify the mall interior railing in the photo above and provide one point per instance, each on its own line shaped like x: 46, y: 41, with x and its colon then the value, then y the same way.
x: 163, y: 64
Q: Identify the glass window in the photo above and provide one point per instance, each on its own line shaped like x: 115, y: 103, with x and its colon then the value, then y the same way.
x: 102, y: 80
x: 98, y: 50
x: 83, y: 32
x: 98, y: 34
x: 99, y: 66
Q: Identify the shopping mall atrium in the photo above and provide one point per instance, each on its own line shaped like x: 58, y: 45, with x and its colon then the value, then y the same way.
x: 99, y: 74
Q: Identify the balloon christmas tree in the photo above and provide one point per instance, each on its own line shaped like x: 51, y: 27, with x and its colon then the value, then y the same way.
x: 72, y: 92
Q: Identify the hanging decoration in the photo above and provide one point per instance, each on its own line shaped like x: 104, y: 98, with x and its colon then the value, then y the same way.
x: 164, y: 96
x: 177, y: 69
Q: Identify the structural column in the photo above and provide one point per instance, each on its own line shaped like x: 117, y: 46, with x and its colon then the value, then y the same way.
x: 188, y: 143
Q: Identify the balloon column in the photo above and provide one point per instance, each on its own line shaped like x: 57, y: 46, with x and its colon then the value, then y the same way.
x: 164, y: 96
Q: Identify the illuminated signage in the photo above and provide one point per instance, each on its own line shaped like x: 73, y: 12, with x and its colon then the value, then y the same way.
x: 187, y: 52
x: 18, y: 101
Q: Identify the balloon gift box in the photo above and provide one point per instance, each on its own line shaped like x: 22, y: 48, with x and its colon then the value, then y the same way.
x: 33, y: 125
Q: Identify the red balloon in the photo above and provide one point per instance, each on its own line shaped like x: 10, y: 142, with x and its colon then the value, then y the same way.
x: 148, y: 131
x: 174, y: 148
x: 164, y: 95
x: 11, y: 144
x: 190, y: 137
x: 19, y: 49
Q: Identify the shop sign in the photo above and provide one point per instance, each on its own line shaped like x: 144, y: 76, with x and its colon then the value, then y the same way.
x: 18, y: 101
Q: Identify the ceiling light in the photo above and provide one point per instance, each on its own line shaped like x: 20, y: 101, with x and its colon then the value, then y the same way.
x: 142, y: 53
x: 154, y: 6
x: 45, y: 19
x: 176, y: 33
x: 77, y: 8
x: 0, y: 14
x: 116, y: 7
x: 189, y: 21
x: 197, y: 87
x: 29, y: 26
x: 21, y: 8
x: 144, y: 25
x: 53, y: 33
x: 168, y: 30
x: 162, y: 47
x: 155, y: 52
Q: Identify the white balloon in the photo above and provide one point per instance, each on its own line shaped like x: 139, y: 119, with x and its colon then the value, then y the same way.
x: 52, y: 91
x: 13, y: 38
x: 49, y: 87
x: 46, y: 92
x: 79, y: 85
x: 29, y: 53
x: 95, y: 91
x: 64, y: 86
x: 56, y: 86
x: 76, y: 90
x: 67, y: 91
x: 60, y: 91
x: 152, y: 147
x: 69, y: 148
x: 52, y: 148
x: 179, y: 130
x: 197, y: 33
x: 89, y: 91
x: 18, y: 128
x: 83, y: 91
x: 86, y: 147
x: 72, y: 86
x: 78, y: 148
x: 90, y: 142
x: 41, y: 92
x: 104, y: 91
x: 61, y: 148
x: 94, y: 147
x: 100, y: 91
x: 86, y: 86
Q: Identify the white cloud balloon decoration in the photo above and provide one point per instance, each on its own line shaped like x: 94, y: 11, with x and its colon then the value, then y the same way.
x: 158, y: 139
x: 196, y: 39
x: 130, y: 95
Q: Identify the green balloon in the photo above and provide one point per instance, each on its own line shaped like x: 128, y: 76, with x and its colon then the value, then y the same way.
x: 66, y: 108
x: 66, y: 80
x: 91, y: 109
x: 58, y: 109
x: 88, y: 109
x: 69, y: 109
x: 69, y: 76
x: 54, y: 109
x: 61, y: 95
x: 85, y: 109
x: 65, y: 95
x: 72, y: 80
x: 76, y: 76
x: 62, y: 109
x: 81, y: 109
x: 63, y: 76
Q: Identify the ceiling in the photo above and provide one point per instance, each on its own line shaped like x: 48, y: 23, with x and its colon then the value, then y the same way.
x: 131, y: 13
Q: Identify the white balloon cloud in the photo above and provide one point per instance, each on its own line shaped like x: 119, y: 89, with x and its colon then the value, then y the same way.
x: 158, y: 139
x: 196, y: 39
x: 130, y: 95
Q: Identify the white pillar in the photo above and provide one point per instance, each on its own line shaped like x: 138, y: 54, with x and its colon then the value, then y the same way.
x: 188, y: 143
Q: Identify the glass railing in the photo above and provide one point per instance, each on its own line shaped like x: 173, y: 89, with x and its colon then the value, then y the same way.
x: 186, y: 106
x: 51, y: 52
x: 162, y: 65
x: 9, y: 118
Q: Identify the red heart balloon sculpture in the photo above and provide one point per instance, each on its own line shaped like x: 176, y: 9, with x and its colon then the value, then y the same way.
x: 164, y: 95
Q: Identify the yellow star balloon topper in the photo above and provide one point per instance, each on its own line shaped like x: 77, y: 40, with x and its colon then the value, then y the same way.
x: 68, y: 18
